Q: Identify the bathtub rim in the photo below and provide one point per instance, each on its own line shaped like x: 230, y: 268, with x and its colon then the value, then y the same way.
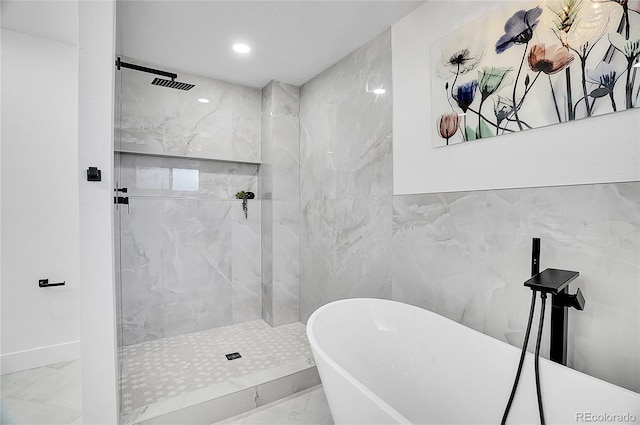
x: 544, y: 362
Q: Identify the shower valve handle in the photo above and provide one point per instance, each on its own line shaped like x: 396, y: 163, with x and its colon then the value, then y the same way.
x: 567, y: 300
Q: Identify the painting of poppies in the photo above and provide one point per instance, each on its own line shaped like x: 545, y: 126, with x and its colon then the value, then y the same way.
x: 532, y: 64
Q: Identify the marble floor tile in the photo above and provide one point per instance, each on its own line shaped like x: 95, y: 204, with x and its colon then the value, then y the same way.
x: 23, y: 412
x: 298, y: 402
x: 281, y: 415
x: 19, y: 383
x: 304, y: 408
x: 43, y: 395
x: 77, y: 421
x: 318, y: 402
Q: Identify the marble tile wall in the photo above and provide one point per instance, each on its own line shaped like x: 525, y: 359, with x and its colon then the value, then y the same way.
x: 346, y: 179
x: 466, y: 255
x: 190, y: 260
x: 160, y: 120
x: 280, y: 190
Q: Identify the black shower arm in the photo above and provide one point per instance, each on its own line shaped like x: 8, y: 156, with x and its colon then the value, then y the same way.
x: 120, y: 64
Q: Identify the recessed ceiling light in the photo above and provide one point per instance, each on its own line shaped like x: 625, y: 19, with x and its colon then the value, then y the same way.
x: 203, y: 100
x: 241, y: 48
x: 378, y: 91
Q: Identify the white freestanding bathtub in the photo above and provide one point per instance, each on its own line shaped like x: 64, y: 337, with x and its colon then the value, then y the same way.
x: 384, y: 362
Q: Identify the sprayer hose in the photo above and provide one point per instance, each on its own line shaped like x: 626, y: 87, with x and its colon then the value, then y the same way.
x: 543, y: 297
x: 522, y: 356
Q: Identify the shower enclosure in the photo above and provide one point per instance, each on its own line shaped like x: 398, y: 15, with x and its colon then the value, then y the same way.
x: 188, y: 260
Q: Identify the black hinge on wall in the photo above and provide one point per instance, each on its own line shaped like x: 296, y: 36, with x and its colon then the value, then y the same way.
x: 121, y: 199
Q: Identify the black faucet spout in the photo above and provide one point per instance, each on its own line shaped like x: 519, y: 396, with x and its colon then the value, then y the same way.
x: 551, y: 281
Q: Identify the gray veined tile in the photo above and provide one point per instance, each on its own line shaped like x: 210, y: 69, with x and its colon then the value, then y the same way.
x: 280, y: 178
x: 54, y: 385
x: 296, y: 403
x: 346, y: 180
x: 77, y: 421
x: 330, y: 104
x: 465, y: 255
x: 20, y: 384
x: 282, y: 416
x: 318, y: 402
x: 181, y: 257
x: 72, y: 364
x: 157, y: 120
x: 15, y: 411
x: 282, y: 411
x: 182, y: 417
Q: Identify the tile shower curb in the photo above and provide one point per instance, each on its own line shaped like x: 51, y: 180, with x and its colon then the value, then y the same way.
x: 222, y: 401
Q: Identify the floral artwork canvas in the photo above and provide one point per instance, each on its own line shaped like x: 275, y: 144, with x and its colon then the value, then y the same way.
x: 532, y: 64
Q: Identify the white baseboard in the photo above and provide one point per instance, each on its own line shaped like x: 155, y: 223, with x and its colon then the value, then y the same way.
x: 38, y: 357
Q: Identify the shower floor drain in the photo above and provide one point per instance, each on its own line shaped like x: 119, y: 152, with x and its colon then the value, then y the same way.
x: 233, y: 356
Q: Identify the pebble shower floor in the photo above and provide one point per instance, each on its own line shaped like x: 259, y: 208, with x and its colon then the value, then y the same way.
x: 157, y: 370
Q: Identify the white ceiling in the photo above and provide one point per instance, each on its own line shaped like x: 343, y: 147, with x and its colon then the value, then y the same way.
x: 51, y: 19
x: 292, y: 41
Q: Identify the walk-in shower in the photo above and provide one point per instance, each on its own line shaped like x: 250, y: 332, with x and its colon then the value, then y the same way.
x: 189, y: 254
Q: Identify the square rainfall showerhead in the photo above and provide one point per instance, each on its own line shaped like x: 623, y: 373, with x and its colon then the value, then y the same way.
x: 172, y: 84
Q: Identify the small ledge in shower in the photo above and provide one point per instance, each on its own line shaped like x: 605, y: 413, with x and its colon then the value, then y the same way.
x: 199, y: 158
x: 153, y: 176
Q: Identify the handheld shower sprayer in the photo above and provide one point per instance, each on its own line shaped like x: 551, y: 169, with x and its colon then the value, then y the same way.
x: 535, y: 267
x: 554, y: 282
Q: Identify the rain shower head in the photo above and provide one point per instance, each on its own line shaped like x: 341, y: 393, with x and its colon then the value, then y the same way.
x: 173, y: 84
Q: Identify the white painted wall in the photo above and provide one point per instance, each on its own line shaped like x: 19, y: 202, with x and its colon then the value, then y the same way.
x: 96, y: 42
x: 596, y: 150
x: 39, y: 214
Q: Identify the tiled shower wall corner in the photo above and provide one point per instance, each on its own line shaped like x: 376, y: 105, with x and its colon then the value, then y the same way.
x: 345, y: 179
x: 279, y: 182
x: 190, y: 260
x: 466, y: 255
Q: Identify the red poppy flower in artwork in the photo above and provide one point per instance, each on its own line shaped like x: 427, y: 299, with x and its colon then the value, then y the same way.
x: 549, y: 60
